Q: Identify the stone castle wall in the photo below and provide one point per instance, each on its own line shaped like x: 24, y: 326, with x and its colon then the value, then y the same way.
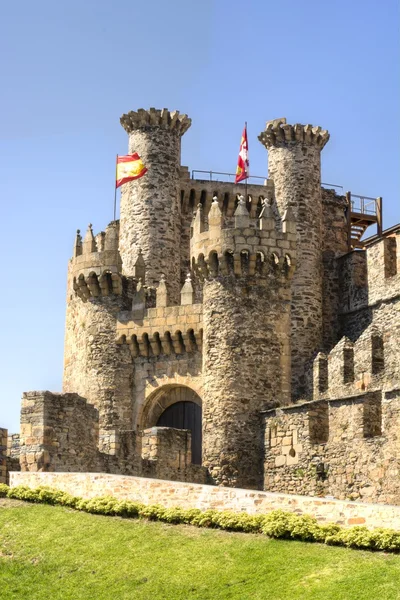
x: 347, y: 448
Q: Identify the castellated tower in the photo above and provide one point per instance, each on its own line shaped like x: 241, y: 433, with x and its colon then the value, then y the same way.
x: 245, y: 267
x: 294, y: 165
x: 95, y: 367
x: 150, y: 214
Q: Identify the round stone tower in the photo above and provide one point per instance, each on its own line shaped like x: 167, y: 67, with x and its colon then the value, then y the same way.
x: 294, y: 165
x: 150, y: 215
x: 95, y: 366
x: 245, y: 271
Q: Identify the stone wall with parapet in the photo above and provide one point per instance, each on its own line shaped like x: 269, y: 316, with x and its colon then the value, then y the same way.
x: 166, y: 454
x: 369, y: 286
x: 347, y: 448
x: 205, y: 497
x: 60, y: 432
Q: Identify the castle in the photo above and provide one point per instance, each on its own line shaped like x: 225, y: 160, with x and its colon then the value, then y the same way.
x: 243, y: 340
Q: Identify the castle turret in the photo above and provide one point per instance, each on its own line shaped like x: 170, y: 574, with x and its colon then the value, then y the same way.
x: 245, y: 270
x: 294, y: 165
x: 95, y: 366
x: 150, y: 216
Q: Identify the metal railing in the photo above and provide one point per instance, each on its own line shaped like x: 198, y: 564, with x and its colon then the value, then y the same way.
x: 333, y: 185
x: 363, y: 205
x: 213, y: 173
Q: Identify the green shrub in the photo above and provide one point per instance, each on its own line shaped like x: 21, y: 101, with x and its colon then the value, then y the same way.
x: 276, y: 524
x: 3, y: 490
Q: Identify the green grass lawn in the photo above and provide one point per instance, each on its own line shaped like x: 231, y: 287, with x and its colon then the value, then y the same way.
x: 51, y: 553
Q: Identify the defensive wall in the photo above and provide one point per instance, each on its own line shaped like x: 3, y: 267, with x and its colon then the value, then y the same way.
x: 346, y: 447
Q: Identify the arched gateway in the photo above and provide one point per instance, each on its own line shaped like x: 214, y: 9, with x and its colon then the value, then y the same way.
x: 178, y: 407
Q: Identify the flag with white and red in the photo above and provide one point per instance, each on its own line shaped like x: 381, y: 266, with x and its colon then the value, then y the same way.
x: 243, y: 166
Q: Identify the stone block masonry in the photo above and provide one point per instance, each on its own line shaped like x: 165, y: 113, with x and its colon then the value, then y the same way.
x: 344, y: 447
x: 204, y: 497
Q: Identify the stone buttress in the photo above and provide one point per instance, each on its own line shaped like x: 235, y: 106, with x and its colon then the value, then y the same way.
x: 150, y: 206
x: 294, y: 165
x: 245, y: 267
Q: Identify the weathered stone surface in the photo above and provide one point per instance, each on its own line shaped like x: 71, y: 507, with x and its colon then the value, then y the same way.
x: 204, y: 497
x: 346, y: 448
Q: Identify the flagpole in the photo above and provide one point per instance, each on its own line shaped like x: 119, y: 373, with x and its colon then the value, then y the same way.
x: 115, y: 188
x: 247, y: 138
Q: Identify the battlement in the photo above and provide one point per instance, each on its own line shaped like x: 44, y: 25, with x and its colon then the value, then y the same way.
x: 95, y: 266
x: 345, y: 447
x: 152, y: 118
x: 353, y: 367
x: 251, y: 246
x: 278, y: 134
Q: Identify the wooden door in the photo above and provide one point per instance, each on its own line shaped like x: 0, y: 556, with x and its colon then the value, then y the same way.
x: 185, y: 415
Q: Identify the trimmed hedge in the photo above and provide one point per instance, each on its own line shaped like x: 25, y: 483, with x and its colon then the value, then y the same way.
x: 276, y: 524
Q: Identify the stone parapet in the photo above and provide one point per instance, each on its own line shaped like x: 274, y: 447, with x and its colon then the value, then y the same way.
x: 152, y: 118
x: 205, y: 497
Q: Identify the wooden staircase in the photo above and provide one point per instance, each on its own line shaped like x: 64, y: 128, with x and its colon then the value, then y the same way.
x: 362, y: 212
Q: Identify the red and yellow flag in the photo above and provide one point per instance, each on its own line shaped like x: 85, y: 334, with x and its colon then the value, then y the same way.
x: 243, y: 166
x: 129, y: 167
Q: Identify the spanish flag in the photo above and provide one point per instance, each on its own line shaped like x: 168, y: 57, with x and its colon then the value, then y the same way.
x: 243, y: 166
x: 129, y: 167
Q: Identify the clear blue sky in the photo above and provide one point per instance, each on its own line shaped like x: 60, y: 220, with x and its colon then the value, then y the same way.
x: 70, y: 69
